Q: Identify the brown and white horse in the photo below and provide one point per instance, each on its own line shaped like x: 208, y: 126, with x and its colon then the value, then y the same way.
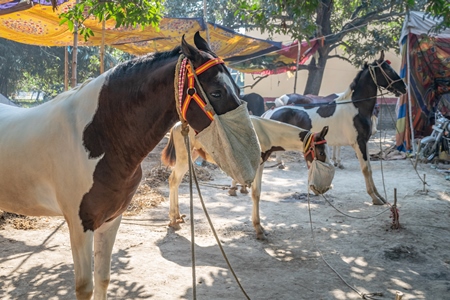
x: 80, y: 154
x: 349, y: 116
x: 272, y: 136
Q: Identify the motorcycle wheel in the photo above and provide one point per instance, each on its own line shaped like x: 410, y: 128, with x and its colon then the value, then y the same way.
x: 427, y: 152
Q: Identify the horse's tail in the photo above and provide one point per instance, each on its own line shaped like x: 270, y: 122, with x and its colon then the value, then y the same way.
x: 169, y: 155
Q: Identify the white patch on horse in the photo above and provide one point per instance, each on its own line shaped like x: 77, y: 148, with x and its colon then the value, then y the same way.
x: 36, y: 153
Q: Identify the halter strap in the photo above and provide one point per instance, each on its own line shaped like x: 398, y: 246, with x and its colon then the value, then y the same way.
x: 386, y: 76
x: 191, y: 92
x: 310, y: 145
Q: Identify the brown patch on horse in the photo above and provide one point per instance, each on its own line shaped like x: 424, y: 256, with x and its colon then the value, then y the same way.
x: 168, y: 154
x: 202, y: 153
x: 327, y: 110
x: 294, y: 117
x: 265, y: 155
x: 122, y: 140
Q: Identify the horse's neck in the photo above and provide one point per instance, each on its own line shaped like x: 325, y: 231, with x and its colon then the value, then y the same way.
x: 273, y: 134
x: 146, y: 107
x: 365, y: 94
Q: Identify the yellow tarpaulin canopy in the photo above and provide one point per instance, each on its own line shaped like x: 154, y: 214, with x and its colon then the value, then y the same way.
x: 38, y: 24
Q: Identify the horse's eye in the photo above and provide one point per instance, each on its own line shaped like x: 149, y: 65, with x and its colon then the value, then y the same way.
x: 216, y: 94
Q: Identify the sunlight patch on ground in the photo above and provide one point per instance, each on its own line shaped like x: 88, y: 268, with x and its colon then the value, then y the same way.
x: 401, y: 283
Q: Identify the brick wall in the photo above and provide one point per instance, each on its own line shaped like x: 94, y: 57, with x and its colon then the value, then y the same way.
x: 387, y: 117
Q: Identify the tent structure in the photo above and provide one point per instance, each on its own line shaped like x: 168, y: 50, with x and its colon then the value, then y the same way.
x: 426, y: 70
x: 34, y: 22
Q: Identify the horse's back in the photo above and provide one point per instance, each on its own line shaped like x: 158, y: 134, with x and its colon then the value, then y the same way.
x: 339, y: 119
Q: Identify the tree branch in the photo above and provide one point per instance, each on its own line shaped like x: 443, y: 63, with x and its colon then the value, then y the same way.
x: 259, y: 78
x: 360, y: 22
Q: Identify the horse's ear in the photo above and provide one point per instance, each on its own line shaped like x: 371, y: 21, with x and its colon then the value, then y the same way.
x: 303, y: 134
x: 190, y: 52
x: 324, y: 132
x: 381, y: 59
x: 201, y: 44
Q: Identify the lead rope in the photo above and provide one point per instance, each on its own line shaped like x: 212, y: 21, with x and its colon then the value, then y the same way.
x: 180, y: 74
x: 217, y: 237
x: 310, y: 143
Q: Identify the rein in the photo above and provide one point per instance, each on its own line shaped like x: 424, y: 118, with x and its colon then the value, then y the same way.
x: 371, y: 68
x: 181, y: 68
x: 386, y: 76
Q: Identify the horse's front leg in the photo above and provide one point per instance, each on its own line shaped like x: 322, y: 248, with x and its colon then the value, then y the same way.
x: 363, y: 157
x: 256, y: 194
x: 104, y: 238
x: 337, y: 157
x: 81, y: 244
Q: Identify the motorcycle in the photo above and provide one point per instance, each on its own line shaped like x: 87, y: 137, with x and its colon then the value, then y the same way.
x: 438, y: 141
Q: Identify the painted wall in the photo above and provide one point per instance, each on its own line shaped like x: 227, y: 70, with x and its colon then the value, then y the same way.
x: 337, y: 77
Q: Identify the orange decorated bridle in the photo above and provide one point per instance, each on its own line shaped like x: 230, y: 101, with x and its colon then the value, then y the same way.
x: 310, y: 145
x: 191, y: 92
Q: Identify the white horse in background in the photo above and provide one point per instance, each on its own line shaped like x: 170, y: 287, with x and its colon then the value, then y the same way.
x: 272, y: 136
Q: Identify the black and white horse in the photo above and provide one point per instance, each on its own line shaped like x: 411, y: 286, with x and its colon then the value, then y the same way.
x: 305, y: 100
x: 255, y: 103
x: 349, y: 116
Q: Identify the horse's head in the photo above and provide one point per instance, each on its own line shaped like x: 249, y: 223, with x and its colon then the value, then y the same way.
x: 315, y: 146
x: 213, y: 78
x: 385, y: 76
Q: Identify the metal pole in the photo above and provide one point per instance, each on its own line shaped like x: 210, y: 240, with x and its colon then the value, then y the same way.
x: 299, y: 47
x: 409, y: 96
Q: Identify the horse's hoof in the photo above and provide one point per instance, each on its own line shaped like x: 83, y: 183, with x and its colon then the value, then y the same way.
x: 244, y: 191
x: 281, y: 167
x: 232, y: 192
x: 376, y: 201
x: 341, y: 167
x: 261, y: 237
x: 175, y: 226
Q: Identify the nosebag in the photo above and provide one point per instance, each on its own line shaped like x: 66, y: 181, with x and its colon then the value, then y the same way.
x: 231, y: 141
x: 320, y: 176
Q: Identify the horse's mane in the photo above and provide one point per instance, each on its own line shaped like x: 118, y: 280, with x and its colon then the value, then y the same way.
x: 347, y: 94
x: 358, y: 76
x: 149, y: 59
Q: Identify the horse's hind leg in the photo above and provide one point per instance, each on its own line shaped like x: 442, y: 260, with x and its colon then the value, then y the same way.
x: 81, y: 244
x: 366, y: 169
x: 280, y: 162
x: 104, y: 238
x: 181, y: 167
x: 256, y: 194
x: 233, y: 188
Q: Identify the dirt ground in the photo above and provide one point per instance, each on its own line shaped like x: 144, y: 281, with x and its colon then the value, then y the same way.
x: 151, y: 261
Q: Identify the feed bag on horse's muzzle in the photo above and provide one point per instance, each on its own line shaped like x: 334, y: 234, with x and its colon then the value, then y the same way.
x: 231, y: 141
x: 320, y: 176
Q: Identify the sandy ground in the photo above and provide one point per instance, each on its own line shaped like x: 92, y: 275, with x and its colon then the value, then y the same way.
x: 150, y: 261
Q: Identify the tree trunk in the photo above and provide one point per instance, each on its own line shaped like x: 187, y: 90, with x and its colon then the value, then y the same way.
x: 315, y: 73
x: 317, y: 65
